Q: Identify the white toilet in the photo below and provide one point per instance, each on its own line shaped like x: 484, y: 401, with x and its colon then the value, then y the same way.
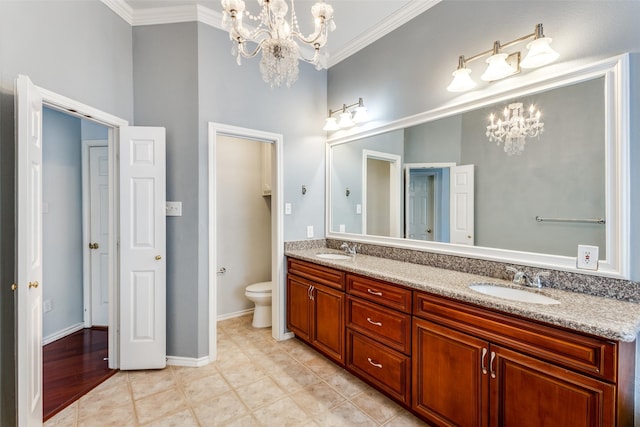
x: 260, y: 294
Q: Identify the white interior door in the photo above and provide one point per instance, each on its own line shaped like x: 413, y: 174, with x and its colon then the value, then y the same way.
x: 142, y: 248
x: 99, y: 234
x: 462, y: 205
x: 29, y: 252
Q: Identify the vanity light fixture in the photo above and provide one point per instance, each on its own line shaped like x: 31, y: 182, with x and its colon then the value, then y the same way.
x: 503, y: 65
x: 278, y: 37
x: 514, y: 127
x: 350, y: 115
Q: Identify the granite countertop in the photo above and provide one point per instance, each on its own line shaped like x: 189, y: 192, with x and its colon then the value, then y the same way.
x: 603, y: 317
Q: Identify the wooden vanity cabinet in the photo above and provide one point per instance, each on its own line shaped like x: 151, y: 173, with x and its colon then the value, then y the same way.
x: 379, y: 335
x: 316, y: 307
x: 476, y: 367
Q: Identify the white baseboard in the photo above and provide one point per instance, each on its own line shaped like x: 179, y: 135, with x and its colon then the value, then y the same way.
x: 190, y: 362
x: 235, y: 314
x: 63, y: 333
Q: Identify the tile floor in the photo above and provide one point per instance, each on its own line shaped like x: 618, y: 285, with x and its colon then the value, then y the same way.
x: 256, y: 381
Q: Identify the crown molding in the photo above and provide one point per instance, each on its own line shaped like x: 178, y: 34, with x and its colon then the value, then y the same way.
x: 404, y: 15
x: 165, y: 15
x: 188, y: 13
x: 121, y: 8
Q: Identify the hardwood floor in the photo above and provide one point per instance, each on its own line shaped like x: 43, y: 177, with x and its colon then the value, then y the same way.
x: 72, y: 366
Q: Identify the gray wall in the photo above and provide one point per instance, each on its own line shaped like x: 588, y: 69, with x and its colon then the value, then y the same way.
x: 346, y: 171
x: 62, y: 222
x: 434, y: 142
x: 560, y: 174
x: 582, y: 32
x: 77, y: 48
x: 200, y: 82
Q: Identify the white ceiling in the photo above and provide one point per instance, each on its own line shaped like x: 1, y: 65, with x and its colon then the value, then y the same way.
x: 358, y: 22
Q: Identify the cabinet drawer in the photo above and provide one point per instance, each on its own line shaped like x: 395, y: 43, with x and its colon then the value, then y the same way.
x: 387, y: 326
x: 380, y: 292
x: 318, y: 273
x: 573, y: 350
x: 381, y: 366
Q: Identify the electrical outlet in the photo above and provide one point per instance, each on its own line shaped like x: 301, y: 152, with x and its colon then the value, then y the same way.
x: 46, y: 305
x: 287, y: 208
x: 587, y: 257
x: 173, y: 209
x: 309, y: 231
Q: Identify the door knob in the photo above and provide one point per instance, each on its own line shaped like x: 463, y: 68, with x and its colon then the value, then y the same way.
x: 93, y: 246
x: 14, y: 286
x: 158, y: 257
x: 33, y: 284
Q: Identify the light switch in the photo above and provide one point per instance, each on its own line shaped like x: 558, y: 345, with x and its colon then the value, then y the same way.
x: 343, y: 228
x: 358, y: 208
x: 309, y: 231
x: 287, y: 208
x: 173, y: 209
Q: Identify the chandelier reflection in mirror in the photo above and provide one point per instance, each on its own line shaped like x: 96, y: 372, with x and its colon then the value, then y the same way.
x: 514, y: 128
x: 277, y: 37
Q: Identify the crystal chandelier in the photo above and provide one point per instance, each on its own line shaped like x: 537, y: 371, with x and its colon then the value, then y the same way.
x: 278, y: 38
x: 514, y: 128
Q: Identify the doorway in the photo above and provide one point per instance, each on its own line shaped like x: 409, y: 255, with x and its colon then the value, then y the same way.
x: 243, y: 220
x: 66, y: 228
x: 137, y: 181
x: 381, y: 194
x: 218, y: 132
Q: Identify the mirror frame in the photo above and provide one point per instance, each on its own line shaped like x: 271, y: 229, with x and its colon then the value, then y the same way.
x: 615, y: 71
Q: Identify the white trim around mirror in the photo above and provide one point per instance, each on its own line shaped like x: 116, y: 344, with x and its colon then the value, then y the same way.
x: 617, y: 265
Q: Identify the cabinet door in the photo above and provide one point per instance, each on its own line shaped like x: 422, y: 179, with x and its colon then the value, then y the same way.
x: 529, y: 393
x: 450, y: 380
x: 298, y: 307
x: 328, y: 322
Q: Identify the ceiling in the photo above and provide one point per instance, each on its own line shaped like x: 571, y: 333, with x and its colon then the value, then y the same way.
x: 358, y: 22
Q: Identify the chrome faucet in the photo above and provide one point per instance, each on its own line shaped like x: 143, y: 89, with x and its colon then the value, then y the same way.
x: 521, y: 278
x: 349, y: 250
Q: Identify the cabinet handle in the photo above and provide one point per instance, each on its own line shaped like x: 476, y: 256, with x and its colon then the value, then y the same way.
x: 377, y: 365
x: 311, y: 288
x: 374, y: 323
x: 493, y: 372
x: 483, y: 361
x: 376, y: 293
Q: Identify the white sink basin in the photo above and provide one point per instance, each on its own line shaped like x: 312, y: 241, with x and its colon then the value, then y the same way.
x: 512, y: 294
x: 333, y: 256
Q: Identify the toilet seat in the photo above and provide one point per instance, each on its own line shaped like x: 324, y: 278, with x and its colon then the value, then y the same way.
x: 260, y: 288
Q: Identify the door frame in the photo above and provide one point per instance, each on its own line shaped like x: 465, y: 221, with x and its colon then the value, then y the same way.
x: 86, y: 231
x: 395, y: 189
x: 72, y: 107
x: 278, y: 304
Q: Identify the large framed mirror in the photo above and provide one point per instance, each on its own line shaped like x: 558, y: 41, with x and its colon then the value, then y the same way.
x: 458, y: 181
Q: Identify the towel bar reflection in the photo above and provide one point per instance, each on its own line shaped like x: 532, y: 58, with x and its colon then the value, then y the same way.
x: 588, y: 220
